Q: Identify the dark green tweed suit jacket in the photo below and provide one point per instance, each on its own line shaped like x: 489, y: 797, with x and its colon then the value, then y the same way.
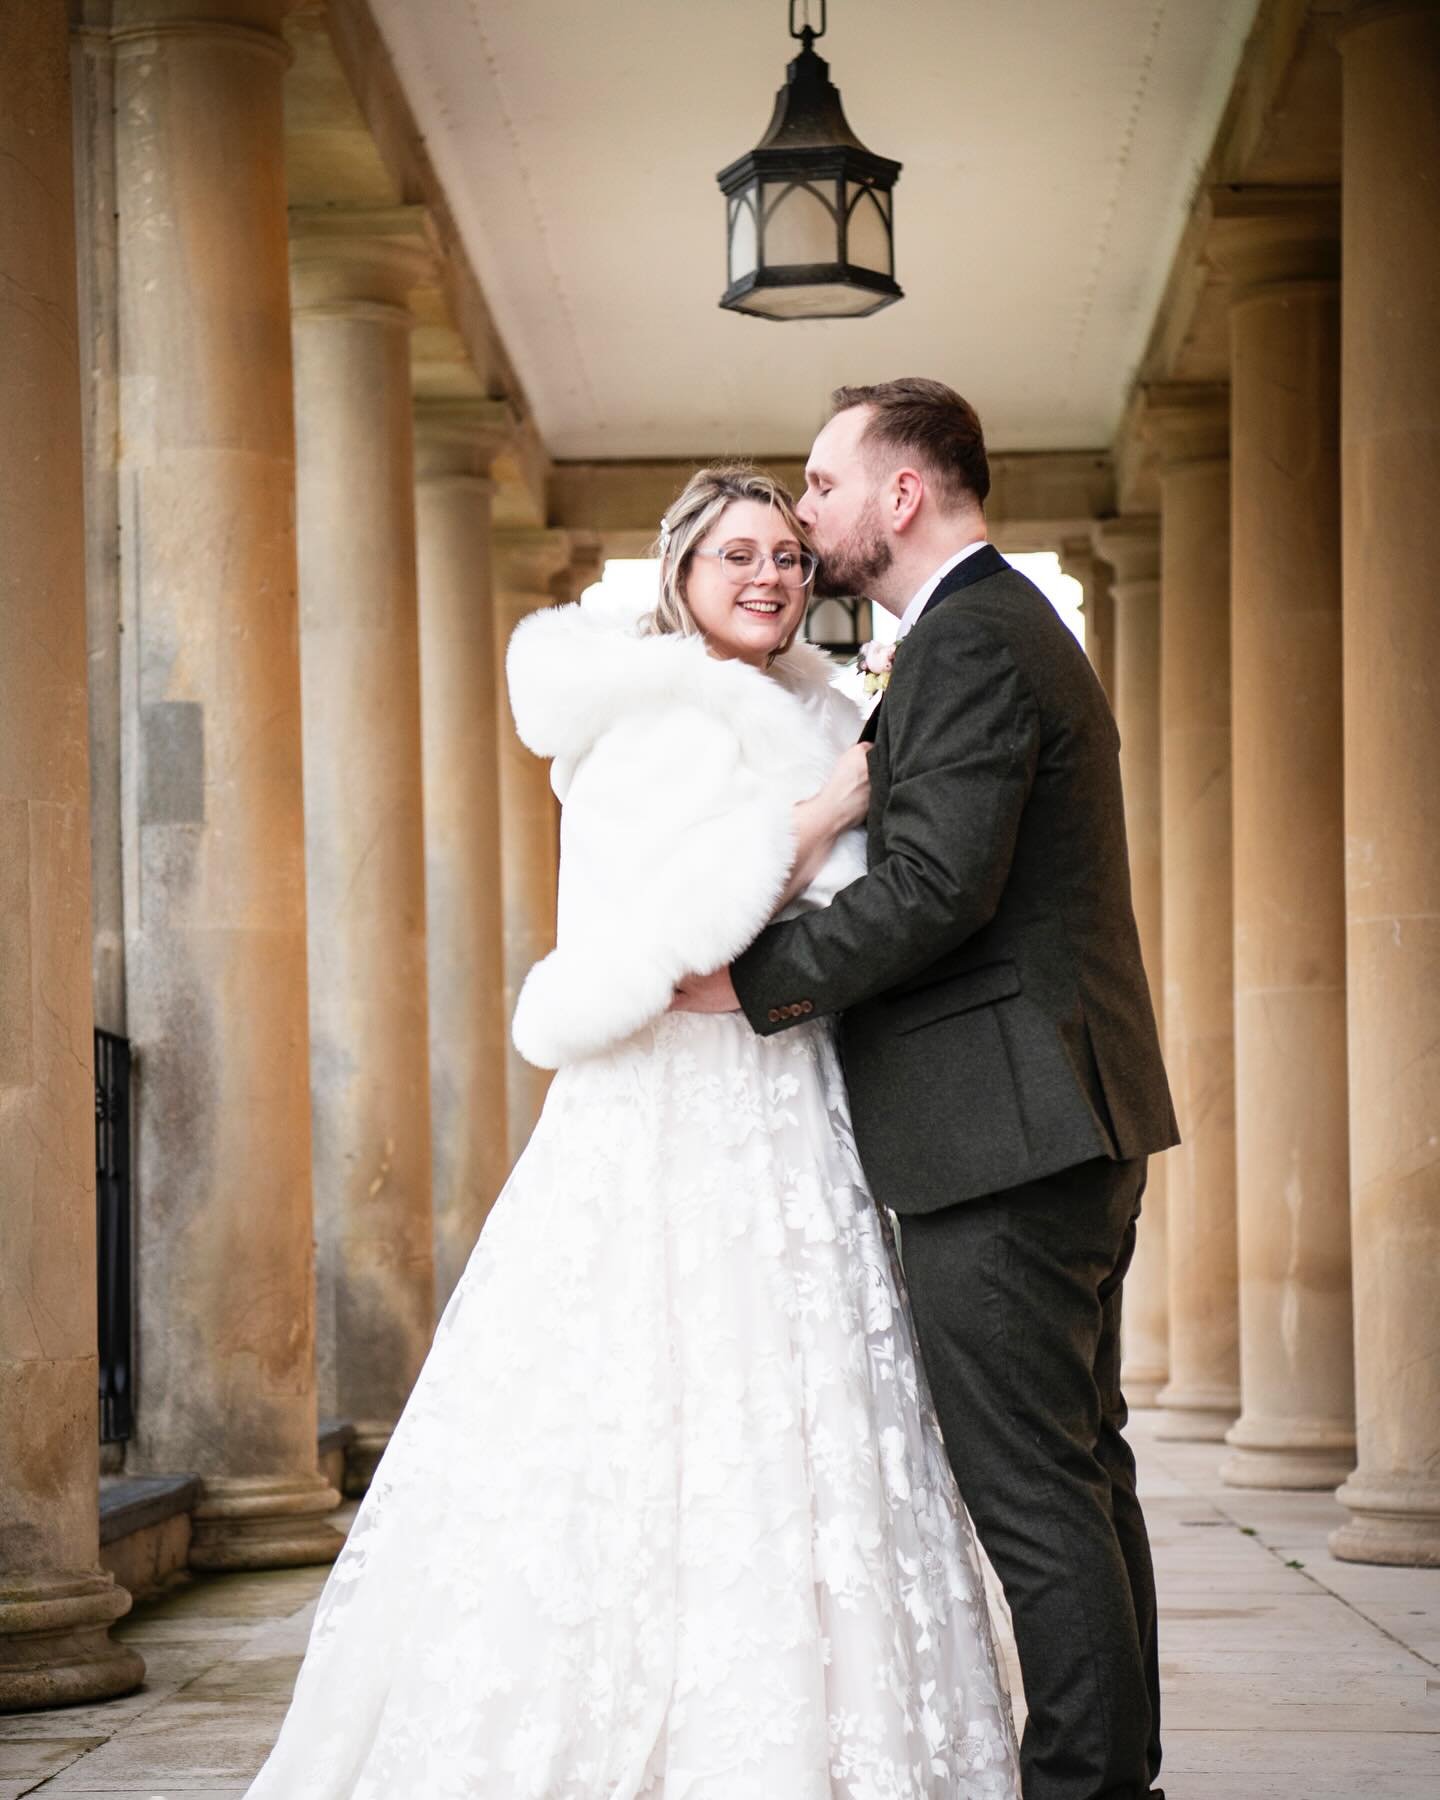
x: 996, y: 1023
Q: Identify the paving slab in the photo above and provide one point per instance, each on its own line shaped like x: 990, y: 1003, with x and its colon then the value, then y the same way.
x: 1285, y: 1672
x: 33, y: 1759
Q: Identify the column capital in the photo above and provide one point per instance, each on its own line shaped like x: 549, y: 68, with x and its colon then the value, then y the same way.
x: 358, y: 261
x: 1076, y: 555
x: 1130, y: 543
x: 586, y: 564
x: 526, y: 562
x: 1187, y: 421
x: 135, y: 26
x: 461, y: 438
x: 1265, y: 238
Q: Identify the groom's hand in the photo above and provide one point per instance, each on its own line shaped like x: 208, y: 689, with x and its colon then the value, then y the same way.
x: 706, y: 994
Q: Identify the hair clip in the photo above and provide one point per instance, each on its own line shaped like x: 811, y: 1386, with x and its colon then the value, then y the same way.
x: 664, y: 535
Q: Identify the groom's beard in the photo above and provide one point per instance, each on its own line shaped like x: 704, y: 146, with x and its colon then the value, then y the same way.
x: 861, y: 555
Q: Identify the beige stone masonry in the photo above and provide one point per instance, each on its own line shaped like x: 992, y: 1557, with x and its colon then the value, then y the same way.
x: 1097, y: 603
x: 56, y: 1605
x: 527, y: 564
x: 1390, y: 478
x: 93, y: 71
x: 456, y: 442
x: 1130, y: 547
x: 364, y: 812
x: 1037, y: 499
x: 214, y: 822
x: 1190, y: 426
x: 1281, y: 249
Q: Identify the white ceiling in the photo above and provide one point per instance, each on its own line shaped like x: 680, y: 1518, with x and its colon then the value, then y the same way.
x: 1050, y: 149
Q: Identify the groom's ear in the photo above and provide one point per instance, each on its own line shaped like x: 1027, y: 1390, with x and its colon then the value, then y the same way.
x: 907, y: 493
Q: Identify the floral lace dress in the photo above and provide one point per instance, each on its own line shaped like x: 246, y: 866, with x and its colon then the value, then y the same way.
x: 668, y: 1516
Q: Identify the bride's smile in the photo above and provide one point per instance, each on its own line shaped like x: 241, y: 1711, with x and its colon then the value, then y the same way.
x: 747, y: 583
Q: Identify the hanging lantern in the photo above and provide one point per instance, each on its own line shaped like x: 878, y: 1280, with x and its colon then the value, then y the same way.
x: 809, y: 221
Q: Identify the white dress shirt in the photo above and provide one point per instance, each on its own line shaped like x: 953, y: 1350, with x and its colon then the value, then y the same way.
x: 917, y: 605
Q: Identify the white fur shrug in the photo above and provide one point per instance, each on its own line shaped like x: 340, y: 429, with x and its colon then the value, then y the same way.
x: 678, y: 773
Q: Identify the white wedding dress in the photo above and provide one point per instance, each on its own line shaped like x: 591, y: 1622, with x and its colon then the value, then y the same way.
x: 667, y: 1516
x: 668, y: 1512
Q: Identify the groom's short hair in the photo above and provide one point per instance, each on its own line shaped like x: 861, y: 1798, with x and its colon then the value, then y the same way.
x: 931, y: 422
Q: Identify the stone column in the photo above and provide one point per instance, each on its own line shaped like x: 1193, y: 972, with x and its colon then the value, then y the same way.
x: 1078, y: 560
x: 1282, y: 253
x: 1390, y: 474
x: 1130, y: 547
x: 364, y: 815
x: 1191, y: 427
x: 455, y: 441
x: 93, y: 71
x: 214, y: 826
x: 527, y: 563
x: 56, y: 1605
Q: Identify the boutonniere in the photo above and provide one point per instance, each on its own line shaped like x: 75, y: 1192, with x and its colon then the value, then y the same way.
x: 875, y: 662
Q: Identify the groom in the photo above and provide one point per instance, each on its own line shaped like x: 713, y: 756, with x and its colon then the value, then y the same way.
x: 1001, y: 1055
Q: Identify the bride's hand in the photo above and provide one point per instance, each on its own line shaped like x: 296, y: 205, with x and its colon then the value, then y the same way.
x: 847, y: 793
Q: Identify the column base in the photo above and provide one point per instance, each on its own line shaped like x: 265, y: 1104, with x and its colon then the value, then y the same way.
x: 1196, y: 1415
x: 1396, y: 1521
x: 1288, y: 1453
x: 1142, y: 1387
x: 55, y: 1647
x: 264, y: 1522
x: 362, y: 1457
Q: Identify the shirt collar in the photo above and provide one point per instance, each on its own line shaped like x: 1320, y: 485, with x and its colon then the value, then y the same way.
x: 917, y: 605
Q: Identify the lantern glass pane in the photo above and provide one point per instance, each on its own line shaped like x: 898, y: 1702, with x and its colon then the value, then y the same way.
x: 742, y: 237
x: 868, y: 243
x: 799, y: 226
x: 833, y: 622
x: 822, y: 300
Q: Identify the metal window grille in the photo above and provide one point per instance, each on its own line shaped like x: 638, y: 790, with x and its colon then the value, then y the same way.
x: 114, y: 1271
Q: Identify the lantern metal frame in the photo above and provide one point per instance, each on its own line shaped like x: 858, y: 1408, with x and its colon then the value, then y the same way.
x: 809, y: 144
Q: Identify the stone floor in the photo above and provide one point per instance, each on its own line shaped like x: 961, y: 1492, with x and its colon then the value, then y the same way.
x: 1286, y: 1673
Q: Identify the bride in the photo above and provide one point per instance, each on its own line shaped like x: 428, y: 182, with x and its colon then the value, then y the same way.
x: 668, y: 1516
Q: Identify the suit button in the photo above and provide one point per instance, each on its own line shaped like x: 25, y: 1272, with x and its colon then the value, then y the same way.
x: 774, y: 1015
x: 807, y: 1006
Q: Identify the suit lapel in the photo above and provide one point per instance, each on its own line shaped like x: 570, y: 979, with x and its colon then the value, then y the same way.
x: 979, y: 566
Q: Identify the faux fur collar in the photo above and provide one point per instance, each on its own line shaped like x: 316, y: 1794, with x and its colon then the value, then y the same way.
x: 573, y: 675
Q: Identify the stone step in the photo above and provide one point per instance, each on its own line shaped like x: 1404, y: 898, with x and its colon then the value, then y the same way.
x: 145, y: 1519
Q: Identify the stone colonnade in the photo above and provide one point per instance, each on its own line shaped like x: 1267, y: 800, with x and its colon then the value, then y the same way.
x: 343, y: 679
x: 213, y: 802
x: 1292, y: 1175
x: 1301, y: 838
x: 1390, y: 477
x: 1131, y: 549
x: 1191, y: 430
x: 1289, y: 917
x: 527, y: 565
x: 1079, y: 559
x: 464, y: 718
x: 56, y: 1606
x: 364, y: 799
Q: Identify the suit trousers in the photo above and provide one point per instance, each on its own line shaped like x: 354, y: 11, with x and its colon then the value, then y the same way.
x: 1016, y: 1300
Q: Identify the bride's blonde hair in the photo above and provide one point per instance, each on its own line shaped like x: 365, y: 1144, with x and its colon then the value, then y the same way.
x: 689, y: 517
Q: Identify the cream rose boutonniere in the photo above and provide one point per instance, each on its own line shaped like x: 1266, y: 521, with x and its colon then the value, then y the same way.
x: 875, y: 662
